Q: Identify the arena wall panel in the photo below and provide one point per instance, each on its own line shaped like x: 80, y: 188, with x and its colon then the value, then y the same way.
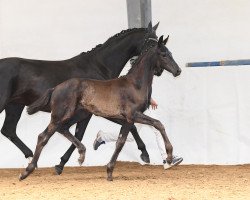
x: 206, y: 111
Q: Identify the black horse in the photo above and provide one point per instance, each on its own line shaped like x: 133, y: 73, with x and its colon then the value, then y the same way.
x: 23, y: 81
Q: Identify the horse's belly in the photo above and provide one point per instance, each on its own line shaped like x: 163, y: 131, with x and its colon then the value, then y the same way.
x: 103, y: 109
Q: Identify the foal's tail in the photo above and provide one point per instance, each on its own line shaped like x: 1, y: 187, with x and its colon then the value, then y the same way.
x: 40, y: 103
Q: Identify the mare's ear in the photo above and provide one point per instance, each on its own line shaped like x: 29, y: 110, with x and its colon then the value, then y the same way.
x: 166, y: 40
x: 160, y: 41
x: 150, y: 28
x: 156, y: 26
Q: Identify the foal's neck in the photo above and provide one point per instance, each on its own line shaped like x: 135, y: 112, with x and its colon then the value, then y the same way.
x: 142, y: 73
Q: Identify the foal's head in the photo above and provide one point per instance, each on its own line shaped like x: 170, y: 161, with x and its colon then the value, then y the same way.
x: 165, y: 59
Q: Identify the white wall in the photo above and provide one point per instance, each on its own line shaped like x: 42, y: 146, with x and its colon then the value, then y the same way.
x: 205, y: 110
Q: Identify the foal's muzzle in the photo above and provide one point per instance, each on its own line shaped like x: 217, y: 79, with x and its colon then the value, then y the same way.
x: 178, y: 72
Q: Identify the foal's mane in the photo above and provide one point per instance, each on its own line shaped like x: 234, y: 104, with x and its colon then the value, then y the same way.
x: 148, y: 45
x: 114, y: 37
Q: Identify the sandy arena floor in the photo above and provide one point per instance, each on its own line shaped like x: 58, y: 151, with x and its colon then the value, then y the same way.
x: 131, y: 181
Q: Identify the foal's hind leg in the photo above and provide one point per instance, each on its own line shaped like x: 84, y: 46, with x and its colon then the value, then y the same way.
x: 13, y: 114
x: 79, y: 132
x: 144, y: 119
x: 43, y: 138
x: 119, y: 145
x: 81, y: 148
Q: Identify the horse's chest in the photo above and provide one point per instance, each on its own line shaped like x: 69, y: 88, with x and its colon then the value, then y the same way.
x: 138, y: 98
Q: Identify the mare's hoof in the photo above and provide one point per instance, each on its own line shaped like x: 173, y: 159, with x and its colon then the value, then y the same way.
x: 145, y: 157
x: 29, y: 159
x: 58, y: 169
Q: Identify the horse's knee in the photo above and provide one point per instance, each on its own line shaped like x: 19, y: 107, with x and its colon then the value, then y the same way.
x: 121, y: 141
x: 159, y: 126
x: 42, y: 139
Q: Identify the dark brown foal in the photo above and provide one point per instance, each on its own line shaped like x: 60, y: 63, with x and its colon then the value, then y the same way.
x: 124, y: 98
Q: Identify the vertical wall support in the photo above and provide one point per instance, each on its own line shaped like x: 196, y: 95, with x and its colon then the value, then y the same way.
x: 139, y: 13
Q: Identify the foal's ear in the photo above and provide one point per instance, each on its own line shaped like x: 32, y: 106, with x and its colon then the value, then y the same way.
x: 166, y: 40
x: 150, y: 28
x: 160, y: 41
x: 156, y: 26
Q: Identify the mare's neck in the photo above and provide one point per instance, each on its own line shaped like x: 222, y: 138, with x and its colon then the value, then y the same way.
x: 112, y: 56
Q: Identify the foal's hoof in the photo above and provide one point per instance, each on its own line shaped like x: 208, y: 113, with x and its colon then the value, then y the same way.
x: 109, y: 178
x: 31, y: 167
x: 145, y: 157
x: 81, y: 159
x: 22, y: 176
x: 58, y: 169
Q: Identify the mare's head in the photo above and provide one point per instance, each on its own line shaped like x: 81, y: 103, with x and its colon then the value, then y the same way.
x: 165, y: 60
x: 149, y: 33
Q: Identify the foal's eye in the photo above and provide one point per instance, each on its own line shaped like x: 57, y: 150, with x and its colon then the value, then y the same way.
x: 164, y: 54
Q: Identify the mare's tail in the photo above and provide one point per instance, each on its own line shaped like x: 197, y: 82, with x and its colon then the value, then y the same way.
x: 40, y: 103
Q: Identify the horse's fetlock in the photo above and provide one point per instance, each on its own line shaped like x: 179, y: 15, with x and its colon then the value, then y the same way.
x: 31, y: 167
x: 110, y: 167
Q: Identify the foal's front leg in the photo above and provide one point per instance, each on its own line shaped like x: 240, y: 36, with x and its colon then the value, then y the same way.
x: 119, y: 145
x: 144, y: 119
x: 141, y: 146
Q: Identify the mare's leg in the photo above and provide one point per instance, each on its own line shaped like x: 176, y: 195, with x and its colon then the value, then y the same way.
x: 119, y: 145
x: 144, y: 119
x: 43, y: 138
x: 81, y: 148
x: 13, y: 114
x: 140, y: 144
x: 5, y: 87
x: 79, y: 132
